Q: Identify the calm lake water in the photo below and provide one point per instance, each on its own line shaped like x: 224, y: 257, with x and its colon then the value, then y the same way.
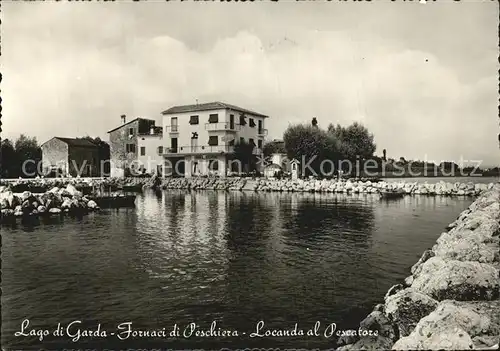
x: 236, y: 258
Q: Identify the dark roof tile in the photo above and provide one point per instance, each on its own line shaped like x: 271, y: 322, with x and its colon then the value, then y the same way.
x: 209, y: 106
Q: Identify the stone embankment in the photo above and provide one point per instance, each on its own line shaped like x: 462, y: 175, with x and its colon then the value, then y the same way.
x: 330, y: 186
x: 451, y: 299
x: 52, y: 202
x: 335, y: 186
x: 204, y: 183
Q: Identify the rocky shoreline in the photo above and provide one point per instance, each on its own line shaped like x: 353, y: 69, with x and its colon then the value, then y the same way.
x: 53, y: 202
x: 451, y: 299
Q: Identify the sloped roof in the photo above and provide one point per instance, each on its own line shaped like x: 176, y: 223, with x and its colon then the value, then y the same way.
x: 135, y: 119
x: 75, y: 142
x: 217, y: 105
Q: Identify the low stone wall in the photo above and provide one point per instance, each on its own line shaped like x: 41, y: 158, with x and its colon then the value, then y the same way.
x: 327, y: 186
x: 204, y: 183
x: 451, y: 299
x: 336, y: 186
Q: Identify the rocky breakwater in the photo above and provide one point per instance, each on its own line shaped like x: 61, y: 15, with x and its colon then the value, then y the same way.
x: 204, y: 183
x: 52, y: 202
x: 342, y: 186
x: 451, y: 299
x: 85, y: 185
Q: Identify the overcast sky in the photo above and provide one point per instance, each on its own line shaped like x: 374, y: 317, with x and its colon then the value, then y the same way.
x: 422, y: 77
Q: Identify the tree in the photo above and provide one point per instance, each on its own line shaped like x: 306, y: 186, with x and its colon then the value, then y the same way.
x: 310, y: 144
x: 314, y: 122
x: 354, y: 141
x: 8, y: 160
x: 243, y: 152
x: 273, y: 147
x: 27, y: 149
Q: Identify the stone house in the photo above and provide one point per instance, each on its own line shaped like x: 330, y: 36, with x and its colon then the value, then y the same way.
x: 70, y: 157
x: 124, y: 145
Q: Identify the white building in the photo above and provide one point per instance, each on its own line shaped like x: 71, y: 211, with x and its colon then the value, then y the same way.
x: 199, y: 139
x: 150, y: 149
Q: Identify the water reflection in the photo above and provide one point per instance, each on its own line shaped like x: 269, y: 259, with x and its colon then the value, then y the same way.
x: 234, y: 257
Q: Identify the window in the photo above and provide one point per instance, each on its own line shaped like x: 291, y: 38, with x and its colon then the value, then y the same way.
x: 160, y: 150
x: 213, y: 140
x: 252, y: 123
x: 242, y: 120
x: 131, y: 131
x: 173, y: 124
x: 213, y: 118
x: 143, y: 150
x: 242, y: 140
x: 194, y: 120
x: 130, y: 148
x: 259, y: 143
x: 251, y: 142
x: 214, y: 165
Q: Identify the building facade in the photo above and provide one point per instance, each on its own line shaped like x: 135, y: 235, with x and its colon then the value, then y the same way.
x: 125, y: 142
x: 150, y: 151
x: 70, y: 157
x: 200, y: 139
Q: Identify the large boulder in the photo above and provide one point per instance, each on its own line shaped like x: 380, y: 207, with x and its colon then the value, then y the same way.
x: 407, y: 307
x: 369, y: 343
x: 425, y: 256
x: 457, y: 280
x: 12, y: 199
x: 451, y: 338
x: 67, y: 204
x: 378, y: 321
x: 453, y: 325
x: 26, y: 196
x: 91, y: 204
x: 468, y: 247
x: 4, y: 204
x: 73, y: 191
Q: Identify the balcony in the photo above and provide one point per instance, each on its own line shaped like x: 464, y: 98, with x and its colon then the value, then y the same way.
x: 202, y: 149
x: 222, y: 126
x: 262, y: 132
x: 172, y: 129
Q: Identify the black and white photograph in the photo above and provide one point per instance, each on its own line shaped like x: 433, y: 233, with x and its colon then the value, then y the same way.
x: 259, y: 174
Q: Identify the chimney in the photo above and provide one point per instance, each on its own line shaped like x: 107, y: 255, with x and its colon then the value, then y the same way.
x: 124, y: 119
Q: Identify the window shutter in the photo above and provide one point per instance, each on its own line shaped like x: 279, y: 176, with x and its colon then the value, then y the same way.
x: 213, y: 118
x: 242, y: 120
x: 213, y: 141
x: 193, y: 120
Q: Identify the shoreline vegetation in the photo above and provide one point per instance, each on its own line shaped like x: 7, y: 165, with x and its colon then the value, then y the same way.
x: 451, y: 299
